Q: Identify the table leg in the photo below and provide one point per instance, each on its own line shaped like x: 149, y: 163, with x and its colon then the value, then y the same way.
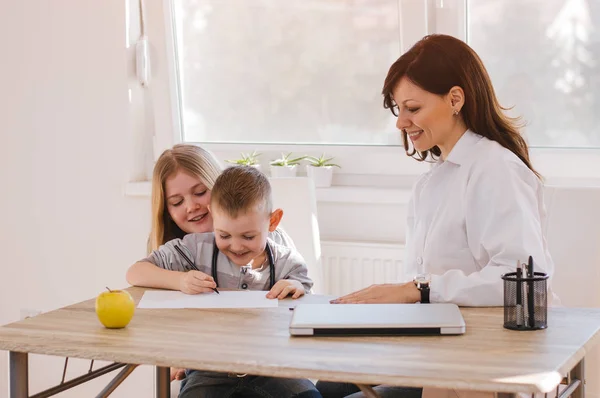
x: 367, y: 391
x: 18, y: 375
x: 163, y: 382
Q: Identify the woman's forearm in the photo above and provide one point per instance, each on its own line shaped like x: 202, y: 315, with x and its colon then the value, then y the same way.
x: 149, y: 275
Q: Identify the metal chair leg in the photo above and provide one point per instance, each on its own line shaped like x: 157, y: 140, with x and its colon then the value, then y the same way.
x: 64, y: 370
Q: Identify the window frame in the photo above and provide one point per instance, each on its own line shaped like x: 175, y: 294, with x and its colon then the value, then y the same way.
x: 378, y: 166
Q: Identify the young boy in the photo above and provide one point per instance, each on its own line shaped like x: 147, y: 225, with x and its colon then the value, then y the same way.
x: 244, y: 258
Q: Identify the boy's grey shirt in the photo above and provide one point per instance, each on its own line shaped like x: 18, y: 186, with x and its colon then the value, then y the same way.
x: 199, y: 247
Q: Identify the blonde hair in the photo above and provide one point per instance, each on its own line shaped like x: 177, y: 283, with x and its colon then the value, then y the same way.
x: 239, y: 188
x: 191, y: 159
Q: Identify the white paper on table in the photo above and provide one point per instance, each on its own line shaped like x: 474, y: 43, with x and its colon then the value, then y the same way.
x: 306, y: 299
x: 226, y: 299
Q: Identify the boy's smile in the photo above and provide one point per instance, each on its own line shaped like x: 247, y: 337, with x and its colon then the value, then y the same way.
x: 243, y: 238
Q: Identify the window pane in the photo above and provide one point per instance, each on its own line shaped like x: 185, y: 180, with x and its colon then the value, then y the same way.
x: 544, y: 59
x: 294, y: 71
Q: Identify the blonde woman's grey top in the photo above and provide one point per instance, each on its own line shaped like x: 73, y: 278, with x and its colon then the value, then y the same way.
x: 289, y: 264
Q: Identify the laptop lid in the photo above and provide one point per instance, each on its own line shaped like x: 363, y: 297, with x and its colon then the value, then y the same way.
x: 376, y: 319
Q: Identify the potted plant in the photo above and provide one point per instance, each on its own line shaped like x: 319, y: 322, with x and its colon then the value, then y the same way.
x: 284, y: 166
x: 247, y: 159
x: 320, y: 170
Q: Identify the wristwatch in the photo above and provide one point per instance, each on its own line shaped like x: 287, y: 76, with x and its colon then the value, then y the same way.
x: 422, y: 282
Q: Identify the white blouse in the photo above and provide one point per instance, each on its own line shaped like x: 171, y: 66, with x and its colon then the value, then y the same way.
x: 470, y: 218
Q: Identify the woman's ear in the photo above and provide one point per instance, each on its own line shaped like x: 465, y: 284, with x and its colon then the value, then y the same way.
x: 457, y: 98
x: 275, y: 219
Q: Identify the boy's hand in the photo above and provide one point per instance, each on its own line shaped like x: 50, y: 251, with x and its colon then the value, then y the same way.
x: 285, y: 287
x: 194, y: 282
x: 177, y: 374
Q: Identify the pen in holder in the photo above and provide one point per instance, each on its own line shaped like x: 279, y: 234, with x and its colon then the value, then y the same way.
x: 525, y: 299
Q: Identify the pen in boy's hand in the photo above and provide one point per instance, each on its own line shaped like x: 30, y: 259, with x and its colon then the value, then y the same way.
x: 191, y: 263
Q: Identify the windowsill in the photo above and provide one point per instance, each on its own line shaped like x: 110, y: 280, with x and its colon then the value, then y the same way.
x: 334, y: 194
x: 374, y: 195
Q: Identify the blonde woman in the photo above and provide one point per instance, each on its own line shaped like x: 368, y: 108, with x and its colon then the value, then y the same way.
x: 182, y: 181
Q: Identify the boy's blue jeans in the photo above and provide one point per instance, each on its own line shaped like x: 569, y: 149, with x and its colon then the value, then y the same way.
x: 202, y: 384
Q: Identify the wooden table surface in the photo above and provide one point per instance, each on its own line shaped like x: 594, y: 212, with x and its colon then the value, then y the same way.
x: 488, y: 357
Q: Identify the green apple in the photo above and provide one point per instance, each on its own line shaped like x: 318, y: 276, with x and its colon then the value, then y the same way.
x: 115, y: 308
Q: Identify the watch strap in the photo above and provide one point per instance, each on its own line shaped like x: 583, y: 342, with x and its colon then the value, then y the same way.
x: 425, y: 294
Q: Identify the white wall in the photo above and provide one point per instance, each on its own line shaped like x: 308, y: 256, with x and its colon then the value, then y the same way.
x: 67, y: 230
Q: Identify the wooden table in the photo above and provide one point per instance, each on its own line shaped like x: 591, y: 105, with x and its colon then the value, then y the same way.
x: 487, y: 358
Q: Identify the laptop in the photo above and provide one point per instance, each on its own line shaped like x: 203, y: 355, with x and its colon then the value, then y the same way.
x: 376, y: 320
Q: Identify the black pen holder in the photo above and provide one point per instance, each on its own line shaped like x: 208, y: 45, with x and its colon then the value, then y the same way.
x: 525, y: 301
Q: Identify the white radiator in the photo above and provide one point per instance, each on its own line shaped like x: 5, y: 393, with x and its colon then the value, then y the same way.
x: 350, y: 266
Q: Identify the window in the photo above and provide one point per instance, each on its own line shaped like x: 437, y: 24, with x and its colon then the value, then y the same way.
x: 305, y: 76
x: 544, y: 59
x: 294, y: 71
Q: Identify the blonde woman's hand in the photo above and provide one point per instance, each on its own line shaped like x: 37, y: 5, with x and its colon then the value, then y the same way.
x: 285, y: 287
x: 194, y: 282
x: 177, y: 374
x: 382, y: 294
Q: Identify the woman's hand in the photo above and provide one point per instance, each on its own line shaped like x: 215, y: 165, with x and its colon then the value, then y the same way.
x: 177, y: 374
x: 285, y: 287
x: 381, y: 294
x: 194, y: 282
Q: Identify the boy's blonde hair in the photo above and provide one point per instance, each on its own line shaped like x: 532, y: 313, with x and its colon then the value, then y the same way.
x: 188, y: 158
x: 239, y: 188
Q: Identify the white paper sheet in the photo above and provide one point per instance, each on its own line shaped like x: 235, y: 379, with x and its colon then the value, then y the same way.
x: 306, y: 299
x: 226, y: 299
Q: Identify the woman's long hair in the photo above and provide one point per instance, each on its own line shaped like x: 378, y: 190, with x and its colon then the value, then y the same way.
x: 437, y: 63
x: 191, y: 159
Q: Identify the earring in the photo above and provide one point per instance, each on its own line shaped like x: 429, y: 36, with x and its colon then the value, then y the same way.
x: 455, y: 112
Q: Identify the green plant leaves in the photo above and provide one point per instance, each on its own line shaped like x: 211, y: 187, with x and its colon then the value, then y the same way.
x: 321, y: 161
x: 251, y: 159
x: 246, y: 159
x: 286, y: 161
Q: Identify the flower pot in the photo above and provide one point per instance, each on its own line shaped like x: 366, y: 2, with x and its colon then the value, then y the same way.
x: 283, y: 171
x: 321, y: 176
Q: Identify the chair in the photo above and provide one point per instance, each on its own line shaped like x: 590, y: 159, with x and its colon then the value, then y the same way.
x: 296, y: 196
